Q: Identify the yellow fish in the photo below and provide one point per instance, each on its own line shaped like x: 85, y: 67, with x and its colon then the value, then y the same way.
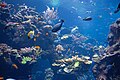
x: 15, y: 66
x: 37, y: 47
x: 30, y: 34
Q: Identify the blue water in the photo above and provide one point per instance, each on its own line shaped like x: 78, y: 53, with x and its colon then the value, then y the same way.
x: 100, y: 26
x: 73, y: 11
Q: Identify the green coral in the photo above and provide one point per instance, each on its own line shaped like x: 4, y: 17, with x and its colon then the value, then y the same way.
x: 26, y: 59
x: 77, y: 63
x: 23, y: 62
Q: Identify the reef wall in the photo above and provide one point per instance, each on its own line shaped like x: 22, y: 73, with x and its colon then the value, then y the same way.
x: 108, y: 66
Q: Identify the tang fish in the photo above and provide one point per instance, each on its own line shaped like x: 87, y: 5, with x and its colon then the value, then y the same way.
x: 58, y: 26
x: 30, y: 34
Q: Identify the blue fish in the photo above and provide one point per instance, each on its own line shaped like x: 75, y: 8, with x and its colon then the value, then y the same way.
x: 58, y: 26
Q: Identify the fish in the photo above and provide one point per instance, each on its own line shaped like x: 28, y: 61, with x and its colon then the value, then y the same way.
x: 15, y: 66
x: 37, y: 47
x: 118, y: 9
x: 46, y: 34
x: 30, y: 34
x: 58, y: 26
x: 74, y: 29
x: 87, y: 19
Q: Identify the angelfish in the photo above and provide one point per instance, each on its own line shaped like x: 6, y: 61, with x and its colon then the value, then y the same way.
x: 58, y: 26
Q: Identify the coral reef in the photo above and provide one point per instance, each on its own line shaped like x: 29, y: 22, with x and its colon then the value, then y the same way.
x: 107, y: 68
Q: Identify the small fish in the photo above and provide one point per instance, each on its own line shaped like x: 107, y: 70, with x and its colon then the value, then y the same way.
x: 30, y: 34
x: 37, y: 47
x: 87, y: 19
x: 46, y: 34
x: 118, y: 9
x: 35, y: 39
x: 58, y: 26
x: 15, y: 66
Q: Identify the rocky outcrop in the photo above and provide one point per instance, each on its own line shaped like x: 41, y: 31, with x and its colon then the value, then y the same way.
x: 108, y: 66
x: 114, y: 35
